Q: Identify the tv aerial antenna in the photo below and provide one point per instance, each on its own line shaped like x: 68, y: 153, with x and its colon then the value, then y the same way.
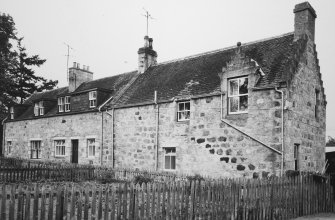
x: 147, y: 15
x: 67, y: 59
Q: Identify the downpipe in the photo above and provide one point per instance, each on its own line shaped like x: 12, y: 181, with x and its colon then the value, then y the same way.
x: 282, y: 131
x: 157, y: 127
x: 3, y: 136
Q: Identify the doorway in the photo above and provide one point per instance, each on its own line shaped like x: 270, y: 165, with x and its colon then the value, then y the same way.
x: 74, y: 144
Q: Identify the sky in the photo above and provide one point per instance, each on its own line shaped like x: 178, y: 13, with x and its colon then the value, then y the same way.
x: 106, y: 34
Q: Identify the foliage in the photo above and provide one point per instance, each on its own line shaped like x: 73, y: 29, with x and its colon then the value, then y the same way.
x: 196, y: 177
x: 142, y: 178
x: 17, y: 76
x: 331, y: 141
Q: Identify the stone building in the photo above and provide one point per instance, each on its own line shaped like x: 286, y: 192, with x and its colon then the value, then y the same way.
x: 249, y: 110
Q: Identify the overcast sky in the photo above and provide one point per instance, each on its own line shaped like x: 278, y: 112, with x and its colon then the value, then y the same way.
x: 106, y: 34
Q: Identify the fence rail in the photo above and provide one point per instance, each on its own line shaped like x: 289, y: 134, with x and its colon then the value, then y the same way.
x: 281, y: 198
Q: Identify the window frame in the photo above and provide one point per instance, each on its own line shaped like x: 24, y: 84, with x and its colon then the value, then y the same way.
x: 89, y: 145
x: 60, y: 104
x: 36, y: 109
x: 11, y: 112
x: 179, y: 112
x: 62, y: 147
x: 41, y: 108
x: 171, y: 155
x: 67, y: 103
x: 296, y: 157
x: 37, y: 145
x: 9, y: 145
x: 230, y: 96
x: 92, y: 100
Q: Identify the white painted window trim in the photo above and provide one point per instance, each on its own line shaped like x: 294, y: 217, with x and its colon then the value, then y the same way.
x: 180, y: 111
x: 238, y: 95
x: 11, y: 110
x: 170, y: 154
x: 67, y: 103
x: 92, y: 98
x: 61, y: 104
x: 31, y: 149
x: 55, y: 147
x: 88, y: 147
x: 41, y: 107
x: 9, y: 147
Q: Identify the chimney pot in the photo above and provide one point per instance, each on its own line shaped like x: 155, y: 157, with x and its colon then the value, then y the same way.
x: 74, y: 64
x: 78, y: 65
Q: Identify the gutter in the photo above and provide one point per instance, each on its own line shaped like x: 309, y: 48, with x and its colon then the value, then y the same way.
x: 112, y: 115
x: 3, y: 136
x: 102, y: 129
x: 236, y: 128
x: 282, y: 130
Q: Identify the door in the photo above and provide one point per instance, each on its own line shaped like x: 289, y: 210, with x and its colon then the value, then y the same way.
x: 74, y: 144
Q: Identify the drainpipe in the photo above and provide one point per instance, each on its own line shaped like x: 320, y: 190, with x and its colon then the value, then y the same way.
x: 3, y: 136
x: 112, y: 115
x: 102, y: 128
x: 282, y: 131
x: 157, y: 126
x: 236, y: 128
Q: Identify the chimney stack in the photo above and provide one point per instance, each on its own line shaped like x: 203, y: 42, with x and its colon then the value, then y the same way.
x: 304, y: 21
x: 78, y: 76
x: 146, y: 55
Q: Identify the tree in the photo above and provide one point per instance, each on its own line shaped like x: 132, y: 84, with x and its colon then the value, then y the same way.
x: 331, y: 141
x: 26, y: 82
x: 17, y: 76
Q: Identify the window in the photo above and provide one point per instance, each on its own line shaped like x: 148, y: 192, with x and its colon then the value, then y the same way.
x: 183, y: 113
x: 11, y: 111
x: 296, y: 156
x: 36, y: 109
x: 9, y: 147
x: 41, y: 107
x: 67, y: 103
x: 91, y: 147
x: 93, y: 98
x: 238, y: 95
x: 61, y: 104
x: 170, y: 158
x: 35, y: 149
x: 59, y: 148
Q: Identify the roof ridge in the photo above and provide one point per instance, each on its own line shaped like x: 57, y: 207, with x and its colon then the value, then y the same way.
x: 63, y: 87
x: 128, y: 72
x: 222, y: 49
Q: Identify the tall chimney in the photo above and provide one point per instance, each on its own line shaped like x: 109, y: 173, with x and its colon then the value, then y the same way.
x: 304, y: 21
x: 78, y: 76
x: 146, y: 55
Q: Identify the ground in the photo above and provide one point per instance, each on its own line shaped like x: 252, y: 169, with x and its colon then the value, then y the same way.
x: 321, y: 216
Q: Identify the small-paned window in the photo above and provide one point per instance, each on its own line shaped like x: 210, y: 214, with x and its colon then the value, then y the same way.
x: 35, y: 149
x: 91, y: 147
x: 9, y: 147
x: 41, y: 107
x: 183, y: 113
x: 93, y: 98
x: 36, y: 109
x: 59, y: 148
x: 238, y: 95
x: 170, y: 158
x: 296, y: 156
x: 61, y: 104
x: 11, y: 111
x: 67, y: 103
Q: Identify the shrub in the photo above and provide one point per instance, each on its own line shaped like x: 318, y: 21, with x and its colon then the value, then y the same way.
x: 195, y: 177
x: 142, y: 178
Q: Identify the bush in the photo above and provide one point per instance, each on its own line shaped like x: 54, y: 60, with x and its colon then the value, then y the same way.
x: 195, y: 177
x: 142, y: 179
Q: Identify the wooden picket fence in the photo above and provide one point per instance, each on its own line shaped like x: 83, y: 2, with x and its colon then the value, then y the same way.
x: 279, y: 198
x: 15, y: 170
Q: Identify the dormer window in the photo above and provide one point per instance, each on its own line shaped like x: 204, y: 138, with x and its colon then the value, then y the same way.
x: 39, y: 108
x: 61, y: 104
x: 238, y: 95
x: 93, y: 99
x: 11, y: 111
x: 67, y: 103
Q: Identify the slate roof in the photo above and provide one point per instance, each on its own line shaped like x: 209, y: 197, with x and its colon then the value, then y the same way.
x: 198, y: 75
x: 113, y: 83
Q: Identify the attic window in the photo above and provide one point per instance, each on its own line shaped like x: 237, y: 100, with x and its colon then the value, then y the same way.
x: 39, y: 108
x: 61, y: 104
x: 238, y: 95
x: 11, y: 111
x: 92, y: 98
x: 67, y: 103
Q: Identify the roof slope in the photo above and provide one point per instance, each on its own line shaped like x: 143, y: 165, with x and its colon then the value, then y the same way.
x: 198, y: 75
